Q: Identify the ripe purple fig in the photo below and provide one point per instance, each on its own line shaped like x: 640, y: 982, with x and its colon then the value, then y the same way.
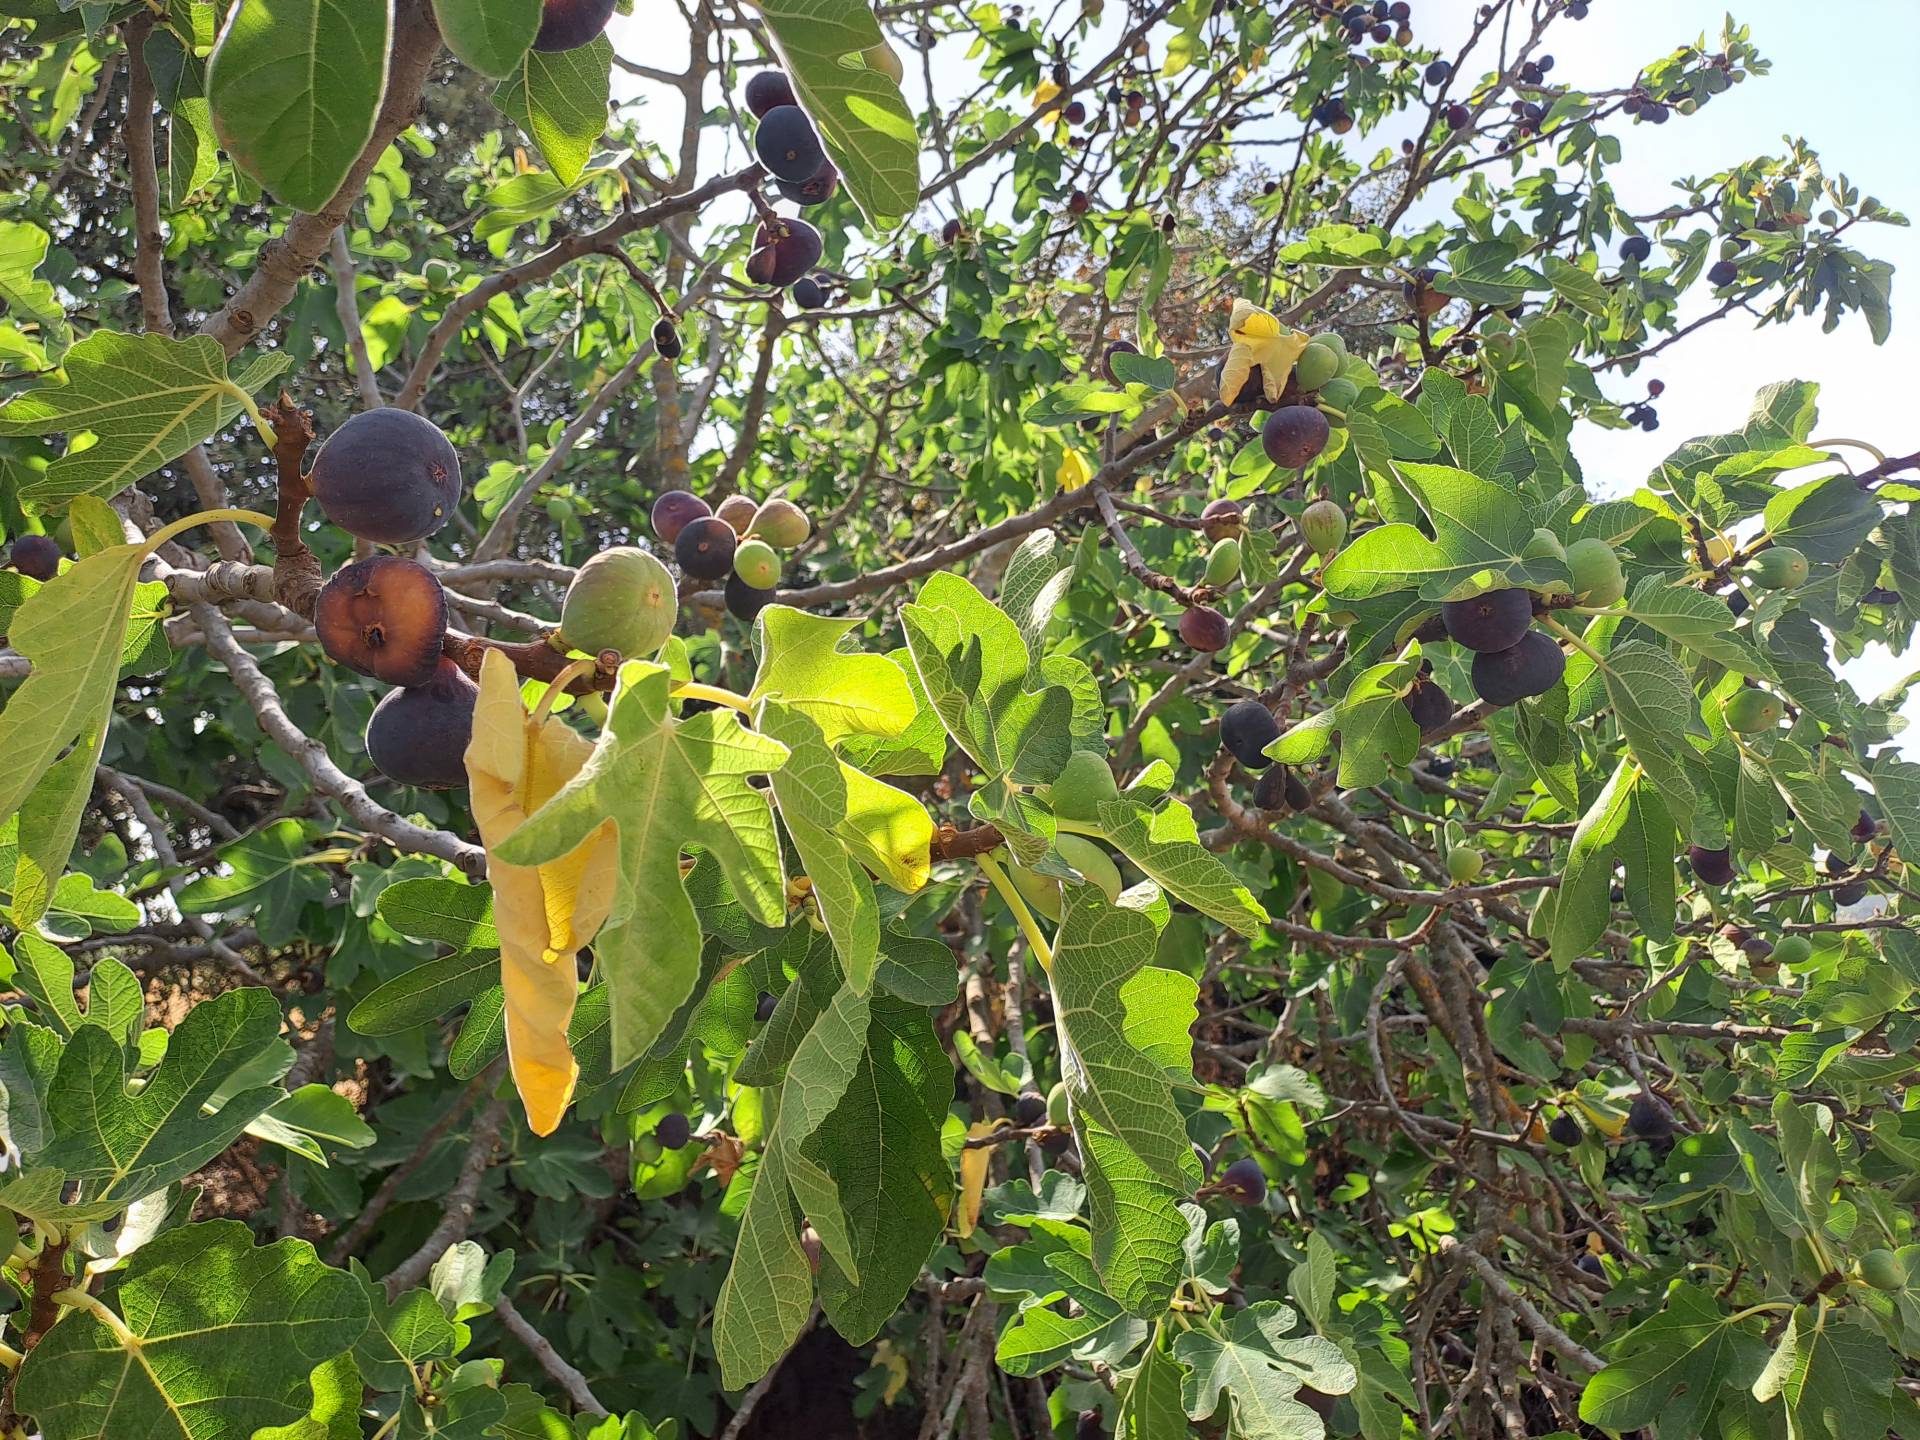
x: 783, y: 251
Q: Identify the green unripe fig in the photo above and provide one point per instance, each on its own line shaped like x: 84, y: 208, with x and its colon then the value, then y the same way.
x: 1324, y: 524
x: 1223, y: 563
x: 1751, y: 711
x: 755, y: 562
x: 1597, y: 576
x: 781, y: 523
x: 886, y: 60
x: 1059, y: 1112
x: 1792, y: 950
x: 1340, y: 392
x: 1545, y: 545
x: 1779, y: 567
x: 1501, y: 347
x: 1332, y: 340
x: 1464, y: 864
x: 1041, y: 892
x: 1092, y: 861
x: 1316, y: 366
x: 1883, y: 1270
x: 1079, y: 788
x: 622, y: 599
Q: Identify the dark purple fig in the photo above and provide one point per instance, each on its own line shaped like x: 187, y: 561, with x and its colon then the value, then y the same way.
x: 787, y: 144
x: 815, y: 190
x: 569, y: 24
x: 1710, y: 867
x: 807, y: 293
x: 1221, y: 520
x: 1493, y: 621
x: 1246, y: 730
x: 387, y: 475
x: 1294, y: 434
x: 35, y: 556
x: 1205, y: 629
x: 764, y: 1006
x: 673, y: 1131
x: 384, y: 616
x: 1243, y: 1182
x: 1532, y: 667
x: 1650, y: 1117
x: 1563, y: 1129
x: 419, y: 736
x: 744, y: 601
x: 1429, y: 705
x: 704, y: 549
x: 674, y: 511
x: 783, y: 251
x: 1118, y: 347
x: 666, y: 339
x: 1030, y: 1110
x: 767, y: 90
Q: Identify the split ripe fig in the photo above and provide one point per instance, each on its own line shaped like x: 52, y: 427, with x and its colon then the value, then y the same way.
x: 388, y: 476
x: 767, y: 90
x: 1223, y: 564
x: 383, y: 616
x: 738, y: 511
x: 1710, y: 867
x: 705, y: 548
x: 1082, y: 785
x: 1205, y: 629
x: 1597, y: 576
x: 1324, y: 524
x: 744, y: 601
x: 1222, y: 519
x: 674, y: 511
x: 419, y: 736
x: 622, y: 599
x: 569, y: 24
x: 1429, y: 705
x: 35, y: 556
x: 754, y: 561
x: 1294, y: 434
x: 1245, y: 732
x: 1779, y: 567
x: 783, y: 251
x: 1505, y: 677
x: 1493, y: 621
x: 787, y: 145
x: 781, y: 523
x: 1750, y: 711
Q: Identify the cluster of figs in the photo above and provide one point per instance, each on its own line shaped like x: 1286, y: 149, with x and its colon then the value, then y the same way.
x: 785, y: 248
x: 392, y: 478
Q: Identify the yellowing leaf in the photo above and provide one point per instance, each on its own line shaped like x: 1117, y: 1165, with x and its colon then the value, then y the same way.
x: 1259, y: 339
x: 1045, y: 93
x: 516, y: 762
x: 974, y: 1164
x: 1073, y: 472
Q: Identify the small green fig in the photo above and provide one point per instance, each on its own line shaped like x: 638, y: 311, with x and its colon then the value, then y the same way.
x: 781, y: 523
x: 1059, y: 1111
x: 1752, y: 711
x: 1041, y: 892
x: 1340, y: 392
x: 1316, y: 366
x: 1332, y: 340
x: 1079, y: 788
x: 1545, y: 545
x: 1223, y: 563
x: 1092, y: 861
x: 755, y: 562
x: 1324, y: 524
x: 1883, y: 1270
x: 1597, y: 576
x: 1792, y: 950
x: 1779, y: 567
x: 886, y: 60
x: 622, y: 599
x: 1464, y: 864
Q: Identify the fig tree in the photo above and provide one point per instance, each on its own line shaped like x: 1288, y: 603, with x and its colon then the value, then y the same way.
x: 388, y: 476
x: 419, y: 736
x: 1324, y: 526
x: 1779, y: 567
x: 1294, y: 434
x: 1082, y: 785
x: 1597, y: 576
x: 384, y: 616
x: 755, y: 562
x: 35, y: 556
x: 1223, y: 564
x: 1529, y: 668
x: 1752, y: 711
x: 674, y: 511
x: 1493, y: 621
x: 705, y: 548
x: 1205, y: 629
x: 781, y: 523
x: 622, y: 599
x: 1246, y: 730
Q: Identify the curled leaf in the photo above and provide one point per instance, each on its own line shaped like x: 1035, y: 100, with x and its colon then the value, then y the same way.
x: 545, y: 913
x: 1259, y: 339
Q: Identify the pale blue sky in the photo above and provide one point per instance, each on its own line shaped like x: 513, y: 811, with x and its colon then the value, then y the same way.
x: 1842, y: 78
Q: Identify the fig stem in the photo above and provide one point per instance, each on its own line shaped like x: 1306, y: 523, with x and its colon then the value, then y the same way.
x: 1036, y: 938
x: 694, y: 690
x: 558, y: 687
x: 1879, y: 455
x: 260, y: 422
x: 1565, y: 634
x: 205, y: 517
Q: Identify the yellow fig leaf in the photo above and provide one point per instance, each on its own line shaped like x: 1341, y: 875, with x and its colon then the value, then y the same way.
x: 1045, y: 93
x: 974, y: 1164
x: 1073, y: 472
x: 545, y: 913
x: 1259, y: 339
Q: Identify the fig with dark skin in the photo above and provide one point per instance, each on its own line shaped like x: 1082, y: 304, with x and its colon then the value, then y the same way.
x: 1221, y: 520
x: 1205, y: 629
x: 1280, y: 789
x: 1651, y: 1118
x: 384, y: 616
x: 704, y: 549
x: 666, y: 339
x: 764, y: 1007
x: 743, y: 601
x: 419, y: 736
x: 1636, y: 248
x: 1118, y: 347
x: 1493, y: 621
x: 783, y: 252
x: 1087, y: 1426
x: 1428, y: 704
x: 1247, y: 729
x: 1030, y: 1109
x: 35, y: 556
x: 1532, y: 667
x: 1243, y: 1182
x: 1563, y: 1129
x: 569, y: 24
x: 1711, y: 867
x: 767, y: 90
x: 787, y: 144
x: 388, y: 476
x: 674, y: 511
x: 673, y: 1131
x: 807, y: 293
x: 1294, y: 434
